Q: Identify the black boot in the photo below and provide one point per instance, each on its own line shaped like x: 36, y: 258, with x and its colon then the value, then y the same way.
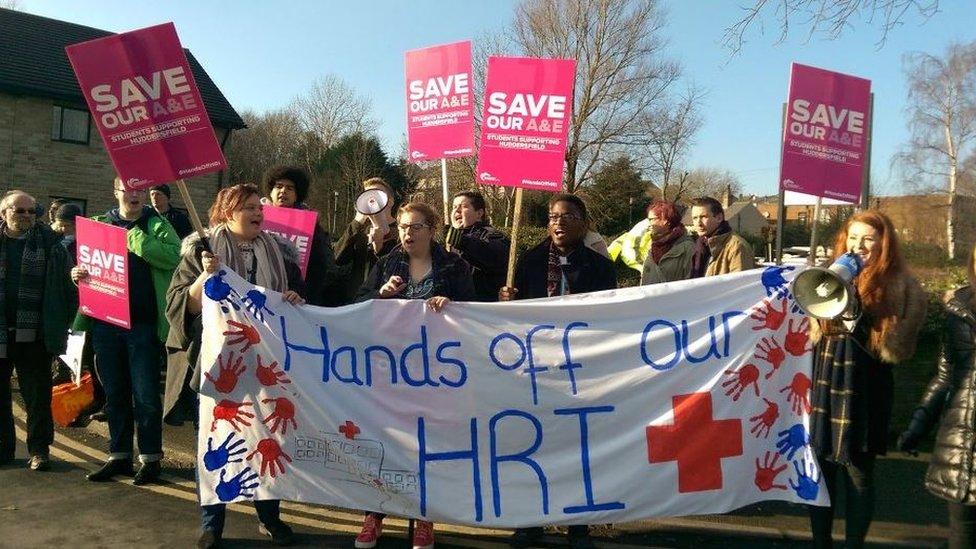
x: 111, y: 468
x: 148, y: 472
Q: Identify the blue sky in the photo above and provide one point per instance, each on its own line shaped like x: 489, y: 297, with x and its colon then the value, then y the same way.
x: 262, y: 54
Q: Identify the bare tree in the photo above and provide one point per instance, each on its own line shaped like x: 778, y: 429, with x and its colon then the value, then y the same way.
x: 621, y: 72
x: 10, y: 4
x: 668, y: 133
x: 330, y: 110
x: 942, y: 121
x: 713, y: 182
x: 270, y: 138
x: 830, y: 17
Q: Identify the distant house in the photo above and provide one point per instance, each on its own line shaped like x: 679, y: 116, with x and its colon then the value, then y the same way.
x: 49, y: 146
x: 742, y: 215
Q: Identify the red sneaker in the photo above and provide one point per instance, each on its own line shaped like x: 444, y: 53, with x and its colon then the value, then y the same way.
x: 372, y: 528
x: 423, y: 535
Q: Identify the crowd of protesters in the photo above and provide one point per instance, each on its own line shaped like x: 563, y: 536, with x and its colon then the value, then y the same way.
x: 404, y: 251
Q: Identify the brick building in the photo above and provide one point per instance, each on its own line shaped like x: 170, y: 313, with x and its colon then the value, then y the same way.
x: 49, y: 145
x: 921, y: 219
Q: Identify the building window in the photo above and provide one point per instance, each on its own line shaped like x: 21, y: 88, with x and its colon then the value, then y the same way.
x: 802, y: 217
x: 70, y: 125
x: 80, y: 202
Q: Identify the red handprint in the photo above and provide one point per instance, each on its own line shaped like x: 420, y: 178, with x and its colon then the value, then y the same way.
x: 765, y: 420
x: 739, y: 380
x: 246, y: 334
x: 772, y: 353
x: 767, y: 472
x: 227, y: 378
x: 797, y: 395
x: 283, y: 414
x: 271, y: 453
x: 769, y: 317
x: 269, y: 376
x: 231, y: 412
x: 796, y: 341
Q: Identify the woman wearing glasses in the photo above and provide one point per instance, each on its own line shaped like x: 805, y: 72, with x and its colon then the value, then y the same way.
x: 418, y: 268
x: 560, y: 265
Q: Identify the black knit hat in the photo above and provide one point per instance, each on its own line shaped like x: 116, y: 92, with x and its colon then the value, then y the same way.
x: 163, y: 189
x: 68, y: 212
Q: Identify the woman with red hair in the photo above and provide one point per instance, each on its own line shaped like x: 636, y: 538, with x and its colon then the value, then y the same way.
x: 852, y: 376
x: 672, y: 248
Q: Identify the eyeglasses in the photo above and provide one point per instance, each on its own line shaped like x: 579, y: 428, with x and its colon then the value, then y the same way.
x: 24, y: 211
x: 567, y: 217
x: 134, y: 191
x: 412, y: 227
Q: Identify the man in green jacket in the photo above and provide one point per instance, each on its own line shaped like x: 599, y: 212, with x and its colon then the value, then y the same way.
x: 36, y: 298
x: 128, y: 361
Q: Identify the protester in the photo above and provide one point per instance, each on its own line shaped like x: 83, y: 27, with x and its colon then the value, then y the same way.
x: 52, y: 211
x: 852, y: 376
x: 363, y: 242
x: 64, y: 221
x: 159, y: 196
x: 287, y: 187
x: 671, y: 248
x: 477, y: 242
x: 418, y: 268
x: 264, y: 259
x: 37, y: 298
x: 718, y: 250
x: 951, y: 395
x: 126, y: 360
x: 560, y: 265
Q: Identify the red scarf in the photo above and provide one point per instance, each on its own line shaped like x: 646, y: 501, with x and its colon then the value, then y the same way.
x: 661, y: 246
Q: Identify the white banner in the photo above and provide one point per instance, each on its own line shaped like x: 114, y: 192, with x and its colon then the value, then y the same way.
x: 675, y: 399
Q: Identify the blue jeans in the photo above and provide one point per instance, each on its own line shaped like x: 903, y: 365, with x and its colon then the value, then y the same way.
x: 128, y: 366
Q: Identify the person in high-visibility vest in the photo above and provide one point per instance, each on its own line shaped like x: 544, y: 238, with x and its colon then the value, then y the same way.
x: 632, y: 246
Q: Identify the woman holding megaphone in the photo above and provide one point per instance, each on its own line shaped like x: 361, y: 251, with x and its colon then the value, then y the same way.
x: 368, y: 237
x: 852, y: 377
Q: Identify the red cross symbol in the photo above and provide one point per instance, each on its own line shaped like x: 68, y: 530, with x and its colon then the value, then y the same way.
x: 696, y: 441
x: 349, y: 429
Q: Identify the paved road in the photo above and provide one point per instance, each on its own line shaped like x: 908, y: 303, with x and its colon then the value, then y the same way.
x: 61, y: 508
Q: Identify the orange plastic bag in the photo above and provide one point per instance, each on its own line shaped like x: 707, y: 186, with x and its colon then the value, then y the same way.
x: 68, y: 399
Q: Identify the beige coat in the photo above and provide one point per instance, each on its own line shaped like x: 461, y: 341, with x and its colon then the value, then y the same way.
x: 730, y: 253
x: 674, y: 265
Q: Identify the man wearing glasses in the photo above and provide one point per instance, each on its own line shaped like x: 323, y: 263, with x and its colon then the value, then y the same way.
x: 128, y: 362
x: 37, y: 298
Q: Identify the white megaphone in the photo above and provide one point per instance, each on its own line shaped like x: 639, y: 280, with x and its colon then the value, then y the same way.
x: 829, y: 293
x: 372, y: 203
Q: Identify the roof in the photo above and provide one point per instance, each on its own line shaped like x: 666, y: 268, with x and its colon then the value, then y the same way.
x: 33, y: 62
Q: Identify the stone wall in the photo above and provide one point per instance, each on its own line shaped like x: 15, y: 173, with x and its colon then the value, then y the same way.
x: 31, y: 161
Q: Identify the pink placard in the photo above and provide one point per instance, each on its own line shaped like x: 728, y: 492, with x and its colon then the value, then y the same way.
x: 440, y: 108
x: 825, y: 136
x: 104, y: 294
x: 527, y: 110
x: 146, y: 105
x: 296, y: 225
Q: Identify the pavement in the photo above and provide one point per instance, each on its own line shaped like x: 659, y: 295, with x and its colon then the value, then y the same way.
x: 61, y: 508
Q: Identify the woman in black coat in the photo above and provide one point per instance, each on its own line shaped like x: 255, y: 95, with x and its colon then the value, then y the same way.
x: 951, y: 396
x: 418, y: 268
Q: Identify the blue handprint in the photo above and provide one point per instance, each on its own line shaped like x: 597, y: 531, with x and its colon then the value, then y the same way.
x: 806, y: 487
x: 216, y: 458
x: 217, y: 289
x: 791, y: 440
x: 242, y: 484
x: 254, y: 301
x: 775, y: 283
